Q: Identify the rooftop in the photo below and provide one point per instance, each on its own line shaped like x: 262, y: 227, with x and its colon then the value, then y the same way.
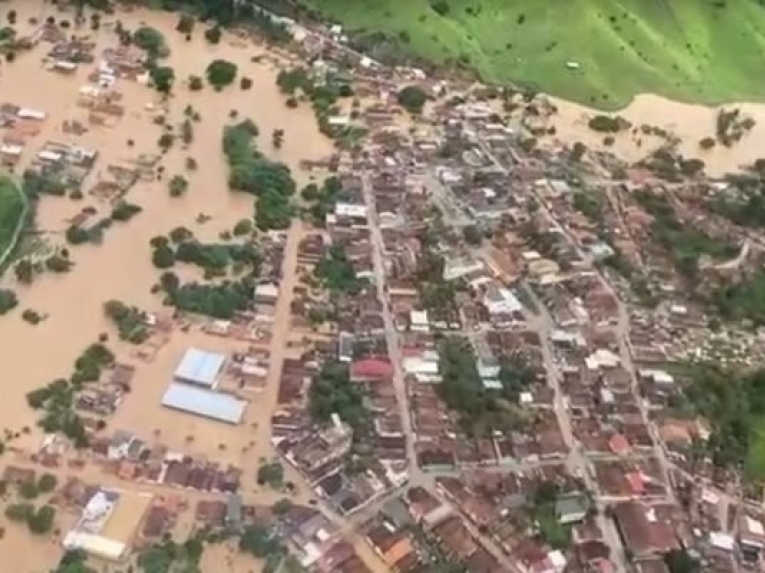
x: 221, y: 407
x: 200, y: 367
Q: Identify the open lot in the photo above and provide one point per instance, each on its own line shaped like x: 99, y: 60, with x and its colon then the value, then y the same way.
x: 690, y: 51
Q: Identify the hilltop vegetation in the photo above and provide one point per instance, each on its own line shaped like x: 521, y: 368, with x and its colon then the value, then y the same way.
x: 694, y: 51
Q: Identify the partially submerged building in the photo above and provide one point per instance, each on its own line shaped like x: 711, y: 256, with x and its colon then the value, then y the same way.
x: 200, y: 367
x: 108, y: 524
x: 205, y: 403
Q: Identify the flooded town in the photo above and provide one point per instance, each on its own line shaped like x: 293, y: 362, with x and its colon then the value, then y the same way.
x: 268, y: 304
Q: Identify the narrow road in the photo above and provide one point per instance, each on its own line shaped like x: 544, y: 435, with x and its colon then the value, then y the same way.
x: 391, y: 334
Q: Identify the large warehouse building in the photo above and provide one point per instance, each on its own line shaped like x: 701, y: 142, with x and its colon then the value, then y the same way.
x: 200, y: 367
x: 193, y: 389
x: 205, y: 403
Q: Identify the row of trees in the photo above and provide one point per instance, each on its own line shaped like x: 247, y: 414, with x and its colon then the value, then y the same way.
x: 214, y: 258
x: 222, y: 300
x: 250, y: 171
x: 40, y: 521
x: 130, y: 321
x: 57, y: 400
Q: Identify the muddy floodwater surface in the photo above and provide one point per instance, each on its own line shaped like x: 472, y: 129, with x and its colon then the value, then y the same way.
x: 120, y: 268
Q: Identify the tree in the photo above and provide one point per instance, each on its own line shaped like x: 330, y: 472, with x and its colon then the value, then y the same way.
x: 180, y: 234
x: 169, y: 282
x: 259, y: 541
x: 41, y: 522
x: 251, y: 172
x: 31, y: 316
x: 277, y: 138
x: 178, y: 185
x: 166, y: 141
x: 163, y: 257
x: 151, y: 40
x: 691, y: 167
x: 243, y: 227
x: 46, y: 483
x: 195, y: 83
x: 221, y: 73
x: 8, y: 300
x: 28, y: 489
x: 271, y: 474
x: 578, y: 150
x: 331, y: 392
x: 680, y: 561
x: 336, y: 272
x: 124, y: 211
x: 185, y: 24
x: 163, y: 78
x: 707, y: 143
x: 12, y: 17
x: 245, y: 83
x: 24, y: 271
x: 213, y: 35
x: 19, y: 511
x: 607, y: 123
x: 74, y: 562
x: 282, y: 506
x: 412, y: 98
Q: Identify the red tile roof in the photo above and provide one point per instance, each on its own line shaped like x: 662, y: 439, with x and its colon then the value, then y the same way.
x: 372, y: 368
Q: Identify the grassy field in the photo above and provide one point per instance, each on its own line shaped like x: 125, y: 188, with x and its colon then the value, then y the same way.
x: 11, y: 209
x: 705, y: 51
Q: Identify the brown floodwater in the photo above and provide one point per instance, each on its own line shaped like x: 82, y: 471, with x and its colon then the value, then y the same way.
x: 120, y: 268
x: 689, y: 123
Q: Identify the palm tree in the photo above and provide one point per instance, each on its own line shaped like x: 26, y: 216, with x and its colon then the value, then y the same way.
x: 277, y: 138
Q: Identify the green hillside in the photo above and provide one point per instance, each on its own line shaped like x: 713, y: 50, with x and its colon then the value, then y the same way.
x: 706, y: 51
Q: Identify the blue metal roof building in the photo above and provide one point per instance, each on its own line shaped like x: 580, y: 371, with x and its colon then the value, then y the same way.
x: 200, y: 367
x: 205, y: 403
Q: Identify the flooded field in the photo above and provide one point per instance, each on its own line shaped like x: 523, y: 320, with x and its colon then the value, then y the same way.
x: 689, y: 123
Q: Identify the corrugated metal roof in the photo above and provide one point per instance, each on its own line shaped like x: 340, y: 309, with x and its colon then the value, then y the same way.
x: 222, y: 407
x: 200, y: 367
